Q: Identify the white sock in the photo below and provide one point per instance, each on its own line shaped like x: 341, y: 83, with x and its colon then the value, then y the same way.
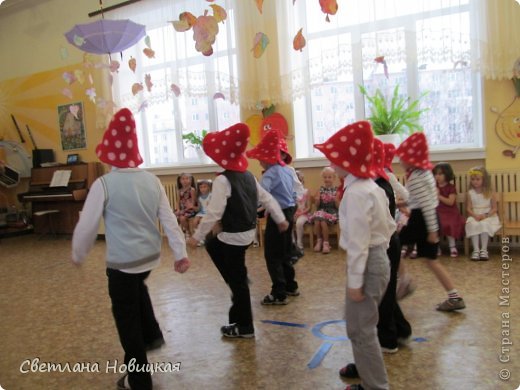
x: 484, y: 238
x: 474, y: 241
x: 451, y: 242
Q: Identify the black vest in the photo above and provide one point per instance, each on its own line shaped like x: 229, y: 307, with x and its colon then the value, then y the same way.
x: 240, y: 213
x: 385, y: 185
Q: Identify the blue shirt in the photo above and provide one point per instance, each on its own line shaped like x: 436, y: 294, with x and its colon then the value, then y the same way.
x: 278, y: 181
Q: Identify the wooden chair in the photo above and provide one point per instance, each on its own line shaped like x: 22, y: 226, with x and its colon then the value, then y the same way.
x: 309, y: 231
x: 509, y: 213
x: 461, y: 204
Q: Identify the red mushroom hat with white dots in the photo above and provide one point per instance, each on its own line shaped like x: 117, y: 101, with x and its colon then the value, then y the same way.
x: 284, y: 148
x: 414, y: 151
x: 268, y: 149
x: 227, y: 147
x: 119, y: 144
x: 389, y: 156
x: 351, y: 149
x: 378, y: 161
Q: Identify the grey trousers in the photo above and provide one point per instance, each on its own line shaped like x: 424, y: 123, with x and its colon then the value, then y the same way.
x: 362, y: 318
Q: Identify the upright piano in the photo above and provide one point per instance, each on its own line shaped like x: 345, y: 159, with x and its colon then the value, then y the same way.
x: 68, y: 200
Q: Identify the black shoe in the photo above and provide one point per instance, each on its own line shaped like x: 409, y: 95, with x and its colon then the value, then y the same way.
x: 235, y: 331
x: 354, y: 387
x: 349, y: 371
x: 294, y: 293
x: 155, y: 344
x: 121, y: 383
x: 270, y: 300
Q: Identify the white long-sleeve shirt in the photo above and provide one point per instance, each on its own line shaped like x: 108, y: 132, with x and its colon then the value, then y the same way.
x: 85, y: 232
x: 365, y: 222
x: 220, y: 192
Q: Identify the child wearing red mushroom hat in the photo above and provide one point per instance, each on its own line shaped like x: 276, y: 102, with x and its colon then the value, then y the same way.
x: 278, y: 181
x: 366, y: 227
x: 234, y: 199
x: 423, y: 226
x: 130, y: 200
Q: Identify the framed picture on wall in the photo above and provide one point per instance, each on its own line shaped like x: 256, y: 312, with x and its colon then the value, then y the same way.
x: 72, y: 126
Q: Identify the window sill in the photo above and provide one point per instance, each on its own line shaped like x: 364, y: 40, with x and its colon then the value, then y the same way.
x: 435, y: 156
x: 176, y: 170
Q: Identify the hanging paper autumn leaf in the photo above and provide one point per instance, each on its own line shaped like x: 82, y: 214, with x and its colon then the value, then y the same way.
x: 329, y: 7
x: 381, y: 60
x: 219, y: 13
x: 149, y: 52
x: 299, y: 40
x: 148, y: 82
x: 136, y: 88
x: 259, y: 44
x: 132, y: 64
x: 185, y: 22
x: 68, y: 77
x: 219, y: 95
x: 259, y: 5
x: 114, y: 66
x: 175, y: 89
x: 67, y: 92
x: 205, y: 31
x: 143, y: 106
x: 79, y: 75
x: 147, y: 41
x: 91, y: 93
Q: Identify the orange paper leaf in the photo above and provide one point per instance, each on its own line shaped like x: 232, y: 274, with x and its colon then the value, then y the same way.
x: 299, y: 40
x: 149, y: 52
x: 259, y: 5
x: 132, y: 64
x: 329, y: 7
x: 219, y: 13
x: 136, y: 88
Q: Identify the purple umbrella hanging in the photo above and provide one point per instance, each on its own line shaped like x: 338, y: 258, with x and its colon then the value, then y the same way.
x: 105, y: 36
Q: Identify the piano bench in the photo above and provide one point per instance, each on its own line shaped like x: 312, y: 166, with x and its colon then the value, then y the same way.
x: 49, y: 215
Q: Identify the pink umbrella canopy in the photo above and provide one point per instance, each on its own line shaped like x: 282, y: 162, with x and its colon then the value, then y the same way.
x: 105, y: 36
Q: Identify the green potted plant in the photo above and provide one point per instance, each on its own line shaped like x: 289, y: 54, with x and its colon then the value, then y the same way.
x: 196, y: 141
x: 397, y: 116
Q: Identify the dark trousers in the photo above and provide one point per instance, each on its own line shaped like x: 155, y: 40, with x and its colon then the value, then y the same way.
x: 277, y: 252
x: 392, y: 323
x: 415, y: 232
x: 135, y: 321
x: 230, y: 261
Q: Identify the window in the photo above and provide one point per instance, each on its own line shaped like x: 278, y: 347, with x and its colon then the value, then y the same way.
x: 177, y: 67
x: 427, y: 48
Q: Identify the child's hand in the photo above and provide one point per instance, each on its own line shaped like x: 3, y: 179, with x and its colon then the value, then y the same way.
x: 282, y: 227
x: 433, y: 237
x: 182, y: 265
x: 355, y: 294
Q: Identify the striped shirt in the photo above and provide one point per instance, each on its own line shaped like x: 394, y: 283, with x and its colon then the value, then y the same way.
x: 423, y: 195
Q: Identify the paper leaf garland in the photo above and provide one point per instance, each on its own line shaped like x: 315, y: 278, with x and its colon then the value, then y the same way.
x: 148, y: 82
x: 219, y: 13
x: 148, y: 42
x: 329, y: 7
x: 149, y: 52
x: 381, y: 60
x: 186, y: 20
x: 68, y: 77
x: 136, y: 88
x: 205, y: 27
x: 205, y: 32
x: 175, y: 89
x: 132, y: 64
x: 260, y: 42
x: 67, y: 92
x: 299, y: 41
x: 259, y: 5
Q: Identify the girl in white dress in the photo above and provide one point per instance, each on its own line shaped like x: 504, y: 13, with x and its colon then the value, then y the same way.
x: 481, y: 207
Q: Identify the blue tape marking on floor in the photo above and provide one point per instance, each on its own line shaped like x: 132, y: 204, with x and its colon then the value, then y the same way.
x: 316, y: 331
x: 420, y: 339
x: 284, y: 323
x: 319, y: 355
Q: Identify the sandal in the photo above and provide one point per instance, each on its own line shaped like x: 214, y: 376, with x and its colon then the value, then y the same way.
x: 326, y: 247
x: 349, y: 371
x: 317, y: 247
x: 484, y: 255
x: 454, y: 252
